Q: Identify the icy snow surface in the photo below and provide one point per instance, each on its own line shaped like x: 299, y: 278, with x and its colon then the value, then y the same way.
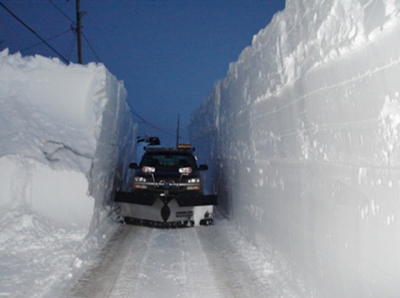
x: 198, y: 262
x: 305, y: 132
x: 64, y: 131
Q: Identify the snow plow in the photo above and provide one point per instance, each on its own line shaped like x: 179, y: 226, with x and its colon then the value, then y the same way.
x: 167, y: 191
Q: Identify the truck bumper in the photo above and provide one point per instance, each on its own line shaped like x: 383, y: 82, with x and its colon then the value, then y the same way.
x: 166, y: 211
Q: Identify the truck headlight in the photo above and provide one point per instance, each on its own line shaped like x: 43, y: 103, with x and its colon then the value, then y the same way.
x: 137, y: 182
x: 140, y: 179
x: 194, y: 180
x: 185, y: 171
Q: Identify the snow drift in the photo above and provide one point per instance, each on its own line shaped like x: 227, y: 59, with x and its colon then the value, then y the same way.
x: 63, y: 131
x: 305, y: 132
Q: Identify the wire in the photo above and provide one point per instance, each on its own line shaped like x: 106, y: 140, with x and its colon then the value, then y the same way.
x: 72, y: 45
x: 33, y: 31
x: 63, y: 13
x: 150, y: 124
x: 51, y: 38
x: 90, y: 46
x: 74, y: 23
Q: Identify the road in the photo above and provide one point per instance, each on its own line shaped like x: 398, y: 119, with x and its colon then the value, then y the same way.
x: 195, y: 262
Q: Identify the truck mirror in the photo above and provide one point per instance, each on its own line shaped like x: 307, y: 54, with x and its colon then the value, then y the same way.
x: 203, y: 168
x: 133, y: 165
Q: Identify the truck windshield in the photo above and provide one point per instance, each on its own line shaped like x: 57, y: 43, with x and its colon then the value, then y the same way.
x: 170, y: 161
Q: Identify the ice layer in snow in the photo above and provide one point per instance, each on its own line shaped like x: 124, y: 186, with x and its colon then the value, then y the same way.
x: 303, y: 137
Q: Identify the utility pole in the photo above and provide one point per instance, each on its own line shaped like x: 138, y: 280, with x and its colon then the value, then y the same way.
x: 177, y: 134
x: 79, y: 32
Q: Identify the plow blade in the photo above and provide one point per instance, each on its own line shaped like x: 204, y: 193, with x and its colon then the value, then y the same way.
x: 187, y: 200
x: 141, y: 198
x: 183, y: 199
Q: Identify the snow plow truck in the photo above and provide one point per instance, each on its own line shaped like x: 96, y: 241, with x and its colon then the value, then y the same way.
x: 167, y: 190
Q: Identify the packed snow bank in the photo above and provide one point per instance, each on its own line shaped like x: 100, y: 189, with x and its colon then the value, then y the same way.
x: 66, y: 140
x: 304, y: 131
x: 63, y: 131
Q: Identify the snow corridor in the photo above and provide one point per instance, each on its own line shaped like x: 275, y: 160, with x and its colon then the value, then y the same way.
x: 302, y: 140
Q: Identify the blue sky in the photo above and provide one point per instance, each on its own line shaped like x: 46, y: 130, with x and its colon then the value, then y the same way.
x: 169, y: 53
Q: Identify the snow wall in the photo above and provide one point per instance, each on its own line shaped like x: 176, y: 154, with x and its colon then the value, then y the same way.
x: 64, y: 131
x: 303, y: 136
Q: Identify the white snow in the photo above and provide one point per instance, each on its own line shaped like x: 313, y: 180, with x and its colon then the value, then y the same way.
x: 64, y: 130
x: 198, y: 262
x: 304, y: 130
x: 301, y: 139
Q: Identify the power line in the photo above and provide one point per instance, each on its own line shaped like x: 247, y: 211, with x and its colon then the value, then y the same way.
x: 150, y: 124
x: 71, y: 46
x: 90, y: 46
x: 63, y: 13
x: 74, y: 23
x: 51, y: 38
x: 33, y: 31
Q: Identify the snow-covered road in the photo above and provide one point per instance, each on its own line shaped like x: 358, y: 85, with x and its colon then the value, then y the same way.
x: 196, y: 262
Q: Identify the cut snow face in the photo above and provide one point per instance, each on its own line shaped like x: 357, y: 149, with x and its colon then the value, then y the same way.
x: 59, y: 129
x: 44, y: 124
x: 65, y: 130
x: 305, y: 133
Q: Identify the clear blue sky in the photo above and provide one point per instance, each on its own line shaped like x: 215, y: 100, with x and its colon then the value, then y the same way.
x: 169, y: 53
